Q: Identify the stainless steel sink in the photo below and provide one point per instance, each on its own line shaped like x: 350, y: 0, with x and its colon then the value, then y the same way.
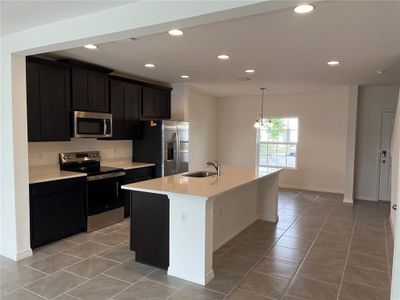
x: 199, y: 174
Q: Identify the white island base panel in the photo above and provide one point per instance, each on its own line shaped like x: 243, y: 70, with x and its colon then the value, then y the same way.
x: 200, y: 226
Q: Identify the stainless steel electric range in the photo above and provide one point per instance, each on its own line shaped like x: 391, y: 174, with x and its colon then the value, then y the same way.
x: 105, y: 202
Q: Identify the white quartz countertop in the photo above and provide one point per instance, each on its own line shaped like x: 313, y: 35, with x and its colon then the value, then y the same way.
x: 125, y: 164
x: 50, y: 173
x: 230, y: 178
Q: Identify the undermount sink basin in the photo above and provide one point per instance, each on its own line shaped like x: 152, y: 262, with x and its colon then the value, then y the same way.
x: 199, y: 174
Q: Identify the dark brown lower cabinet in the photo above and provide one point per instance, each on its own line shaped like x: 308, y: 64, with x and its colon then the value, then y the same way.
x: 132, y: 176
x: 57, y: 209
x: 150, y: 228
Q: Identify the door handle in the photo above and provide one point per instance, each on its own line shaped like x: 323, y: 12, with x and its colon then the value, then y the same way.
x: 394, y: 206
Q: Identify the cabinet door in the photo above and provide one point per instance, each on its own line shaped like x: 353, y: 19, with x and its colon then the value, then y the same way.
x: 33, y: 102
x: 98, y: 92
x: 156, y: 103
x: 72, y: 206
x: 44, y: 219
x: 117, y: 109
x: 148, y: 102
x: 80, y: 89
x: 48, y: 102
x: 162, y: 104
x: 55, y: 104
x: 133, y: 128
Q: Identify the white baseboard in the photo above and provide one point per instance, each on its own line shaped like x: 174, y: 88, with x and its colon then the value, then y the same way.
x: 187, y: 275
x: 16, y: 255
x: 348, y: 200
x: 365, y: 197
x: 269, y: 218
x: 310, y: 188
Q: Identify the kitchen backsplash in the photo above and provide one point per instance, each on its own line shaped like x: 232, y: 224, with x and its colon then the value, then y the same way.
x: 46, y: 153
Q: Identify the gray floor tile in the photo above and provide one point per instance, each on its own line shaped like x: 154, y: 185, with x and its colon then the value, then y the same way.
x: 367, y: 277
x: 161, y: 276
x: 11, y: 280
x: 146, y: 289
x: 353, y: 291
x: 54, y: 262
x: 311, y: 289
x: 98, y: 288
x: 224, y: 281
x: 130, y: 271
x: 56, y: 247
x: 113, y: 238
x: 276, y: 267
x: 263, y: 284
x: 239, y: 294
x: 87, y: 249
x: 196, y: 292
x: 119, y: 253
x: 285, y: 253
x: 21, y: 294
x: 234, y: 263
x: 84, y: 237
x: 91, y: 267
x: 55, y: 284
x: 14, y: 265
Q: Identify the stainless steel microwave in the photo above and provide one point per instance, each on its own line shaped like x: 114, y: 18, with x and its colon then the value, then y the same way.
x: 92, y: 125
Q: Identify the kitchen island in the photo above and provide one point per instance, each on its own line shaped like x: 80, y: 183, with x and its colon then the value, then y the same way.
x: 203, y: 214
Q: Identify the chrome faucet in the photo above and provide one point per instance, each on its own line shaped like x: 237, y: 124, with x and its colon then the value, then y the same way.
x: 216, y: 164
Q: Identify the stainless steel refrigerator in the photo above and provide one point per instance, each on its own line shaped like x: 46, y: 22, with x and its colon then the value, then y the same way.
x: 165, y: 143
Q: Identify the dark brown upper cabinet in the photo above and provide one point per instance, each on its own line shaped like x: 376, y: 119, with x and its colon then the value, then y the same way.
x: 89, y: 87
x: 48, y: 100
x: 156, y: 103
x: 125, y: 108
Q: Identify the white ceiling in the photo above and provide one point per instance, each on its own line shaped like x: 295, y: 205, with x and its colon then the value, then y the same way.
x: 20, y: 15
x: 288, y: 51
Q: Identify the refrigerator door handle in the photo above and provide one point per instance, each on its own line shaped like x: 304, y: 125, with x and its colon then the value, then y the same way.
x: 177, y: 161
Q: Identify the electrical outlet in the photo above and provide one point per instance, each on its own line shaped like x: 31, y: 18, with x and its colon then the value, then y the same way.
x: 184, y: 217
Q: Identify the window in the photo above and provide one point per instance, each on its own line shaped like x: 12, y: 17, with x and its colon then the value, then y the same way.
x: 277, y: 142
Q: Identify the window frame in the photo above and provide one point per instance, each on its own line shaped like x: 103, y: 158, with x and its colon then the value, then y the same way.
x: 259, y: 143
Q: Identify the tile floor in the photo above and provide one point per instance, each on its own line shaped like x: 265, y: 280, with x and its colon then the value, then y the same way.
x: 320, y: 249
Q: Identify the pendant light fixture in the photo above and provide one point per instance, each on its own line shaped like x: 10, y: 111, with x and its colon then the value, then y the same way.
x: 260, y: 121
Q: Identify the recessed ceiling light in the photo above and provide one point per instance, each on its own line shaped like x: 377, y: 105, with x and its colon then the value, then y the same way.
x: 175, y: 32
x: 91, y: 46
x: 333, y: 63
x: 223, y: 57
x: 380, y: 72
x: 150, y: 66
x: 185, y: 76
x: 303, y: 8
x: 250, y: 71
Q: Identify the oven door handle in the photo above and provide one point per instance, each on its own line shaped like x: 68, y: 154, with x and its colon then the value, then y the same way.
x: 106, y: 176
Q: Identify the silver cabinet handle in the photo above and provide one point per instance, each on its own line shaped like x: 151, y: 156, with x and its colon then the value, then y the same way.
x: 394, y: 206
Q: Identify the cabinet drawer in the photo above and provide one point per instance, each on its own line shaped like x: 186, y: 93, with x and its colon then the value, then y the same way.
x: 40, y: 189
x: 139, y: 174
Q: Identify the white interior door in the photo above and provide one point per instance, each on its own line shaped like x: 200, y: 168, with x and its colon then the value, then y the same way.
x: 385, y: 159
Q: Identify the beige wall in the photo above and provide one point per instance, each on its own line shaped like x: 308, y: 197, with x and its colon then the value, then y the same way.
x: 322, y: 135
x: 203, y: 129
x: 372, y: 102
x: 46, y: 153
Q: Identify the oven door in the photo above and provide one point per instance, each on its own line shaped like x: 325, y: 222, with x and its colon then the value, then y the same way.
x: 92, y: 125
x: 104, y: 194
